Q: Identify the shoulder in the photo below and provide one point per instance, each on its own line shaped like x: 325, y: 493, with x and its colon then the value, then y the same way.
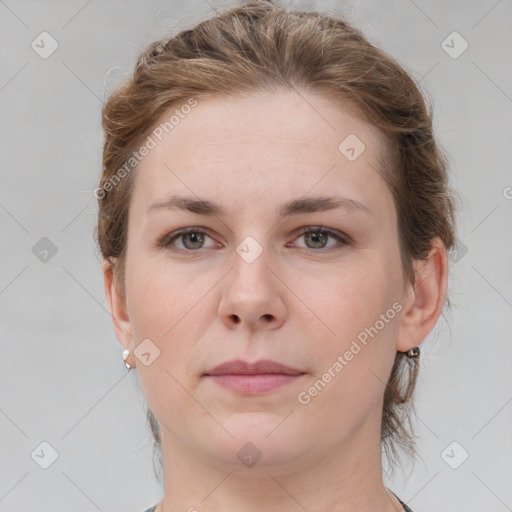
x: 152, y: 509
x: 406, y: 508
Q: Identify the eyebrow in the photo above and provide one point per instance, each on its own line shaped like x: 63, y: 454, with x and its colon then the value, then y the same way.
x: 295, y: 206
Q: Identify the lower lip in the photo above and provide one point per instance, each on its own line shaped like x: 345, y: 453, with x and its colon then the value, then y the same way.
x: 254, y: 384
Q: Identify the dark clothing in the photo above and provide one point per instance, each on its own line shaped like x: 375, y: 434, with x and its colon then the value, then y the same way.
x: 406, y: 508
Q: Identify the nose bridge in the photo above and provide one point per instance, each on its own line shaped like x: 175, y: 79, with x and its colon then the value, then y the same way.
x: 252, y: 294
x: 251, y: 279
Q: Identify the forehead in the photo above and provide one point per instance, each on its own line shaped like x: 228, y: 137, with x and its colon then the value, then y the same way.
x: 282, y: 140
x: 284, y: 119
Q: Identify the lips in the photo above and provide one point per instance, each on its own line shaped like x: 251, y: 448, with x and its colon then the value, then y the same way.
x: 256, y: 378
x: 240, y: 367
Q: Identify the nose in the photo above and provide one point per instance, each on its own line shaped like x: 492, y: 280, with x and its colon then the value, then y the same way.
x: 253, y: 296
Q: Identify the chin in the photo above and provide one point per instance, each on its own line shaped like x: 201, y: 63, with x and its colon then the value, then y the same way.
x: 259, y: 439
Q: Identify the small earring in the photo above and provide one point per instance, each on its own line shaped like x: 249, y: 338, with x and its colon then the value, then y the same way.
x: 413, y: 353
x: 126, y: 353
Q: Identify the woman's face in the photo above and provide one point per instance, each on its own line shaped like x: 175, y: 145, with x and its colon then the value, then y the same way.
x: 246, y: 283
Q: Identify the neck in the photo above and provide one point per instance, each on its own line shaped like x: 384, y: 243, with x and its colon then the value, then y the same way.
x: 345, y: 478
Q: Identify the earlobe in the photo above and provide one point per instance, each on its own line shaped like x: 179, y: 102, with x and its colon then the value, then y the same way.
x: 117, y: 305
x: 424, y: 302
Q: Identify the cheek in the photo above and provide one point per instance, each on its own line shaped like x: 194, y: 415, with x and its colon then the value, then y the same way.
x: 164, y: 306
x: 158, y: 312
x: 160, y: 295
x: 175, y: 309
x: 358, y: 312
x: 354, y: 362
x: 345, y: 301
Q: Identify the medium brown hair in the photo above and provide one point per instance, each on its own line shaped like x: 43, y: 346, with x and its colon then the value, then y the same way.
x: 260, y: 46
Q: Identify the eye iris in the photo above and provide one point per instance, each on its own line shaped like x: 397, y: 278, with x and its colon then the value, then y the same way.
x: 315, y: 235
x: 196, y: 237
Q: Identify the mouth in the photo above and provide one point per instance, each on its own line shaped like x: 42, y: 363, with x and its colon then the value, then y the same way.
x: 253, y: 378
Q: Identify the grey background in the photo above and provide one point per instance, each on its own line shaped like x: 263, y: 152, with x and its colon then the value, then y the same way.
x: 62, y: 377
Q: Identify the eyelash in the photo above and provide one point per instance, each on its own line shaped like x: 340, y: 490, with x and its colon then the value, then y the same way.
x: 165, y: 242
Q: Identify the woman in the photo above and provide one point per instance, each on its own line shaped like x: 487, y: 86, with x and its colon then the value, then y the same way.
x: 274, y: 219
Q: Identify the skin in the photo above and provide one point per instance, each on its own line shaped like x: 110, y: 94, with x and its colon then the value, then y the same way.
x: 301, y: 302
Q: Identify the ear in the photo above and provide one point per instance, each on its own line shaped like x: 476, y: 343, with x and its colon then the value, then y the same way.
x: 423, y: 303
x: 117, y: 304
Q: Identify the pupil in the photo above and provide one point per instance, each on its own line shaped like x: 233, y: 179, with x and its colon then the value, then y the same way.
x: 315, y: 237
x: 194, y: 238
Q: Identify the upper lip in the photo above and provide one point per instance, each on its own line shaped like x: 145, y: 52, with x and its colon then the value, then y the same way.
x: 240, y: 367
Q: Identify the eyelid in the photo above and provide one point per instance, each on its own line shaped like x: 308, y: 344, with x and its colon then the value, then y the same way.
x: 164, y: 242
x: 341, y: 238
